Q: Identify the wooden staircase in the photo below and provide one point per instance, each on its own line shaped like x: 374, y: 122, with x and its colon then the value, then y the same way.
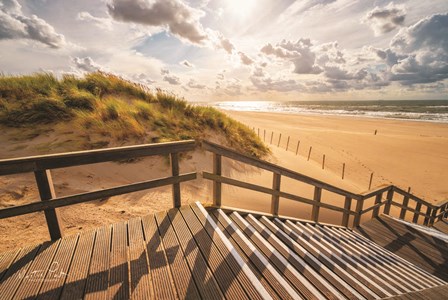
x: 197, y: 253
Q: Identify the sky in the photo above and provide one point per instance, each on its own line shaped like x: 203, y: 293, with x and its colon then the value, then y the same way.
x: 222, y: 50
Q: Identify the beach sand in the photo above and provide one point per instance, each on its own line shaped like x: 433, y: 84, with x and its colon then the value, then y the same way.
x: 403, y: 153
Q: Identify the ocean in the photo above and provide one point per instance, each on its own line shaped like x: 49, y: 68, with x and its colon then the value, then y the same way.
x: 416, y: 110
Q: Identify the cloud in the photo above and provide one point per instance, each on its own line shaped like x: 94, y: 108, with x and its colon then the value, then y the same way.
x: 246, y: 60
x: 164, y: 71
x: 386, y: 19
x: 306, y: 5
x: 299, y: 53
x: 172, y: 79
x: 419, y: 53
x: 226, y: 45
x: 15, y: 25
x: 103, y: 23
x: 187, y: 64
x: 85, y: 64
x: 194, y: 85
x: 174, y: 15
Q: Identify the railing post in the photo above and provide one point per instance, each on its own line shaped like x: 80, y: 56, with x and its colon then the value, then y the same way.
x: 46, y: 192
x: 418, y: 207
x: 316, y: 208
x: 376, y: 210
x: 275, y: 198
x: 405, y: 207
x: 390, y: 196
x: 358, y: 211
x: 346, y: 214
x: 427, y: 216
x: 175, y: 172
x: 217, y: 169
x: 433, y: 216
x: 443, y: 208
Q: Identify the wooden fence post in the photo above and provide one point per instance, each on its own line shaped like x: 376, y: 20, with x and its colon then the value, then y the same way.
x: 264, y: 135
x: 427, y: 216
x: 275, y: 198
x: 287, y: 143
x: 433, y: 216
x: 418, y: 207
x: 279, y: 139
x: 390, y: 196
x: 343, y: 171
x: 370, y: 182
x: 405, y: 205
x: 358, y: 211
x: 258, y: 132
x: 46, y: 191
x: 175, y: 172
x: 217, y: 170
x: 346, y: 214
x: 376, y: 210
x: 309, y: 153
x: 316, y: 208
x: 272, y: 136
x: 297, y: 148
x: 323, y: 162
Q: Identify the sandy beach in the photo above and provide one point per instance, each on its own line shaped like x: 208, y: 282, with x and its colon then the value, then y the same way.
x: 403, y: 153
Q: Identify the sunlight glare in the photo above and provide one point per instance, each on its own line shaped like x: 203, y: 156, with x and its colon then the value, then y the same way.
x: 240, y: 8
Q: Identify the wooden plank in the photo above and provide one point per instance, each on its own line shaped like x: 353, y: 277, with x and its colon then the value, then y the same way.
x: 118, y: 270
x: 389, y: 197
x: 271, y: 279
x: 404, y: 208
x: 46, y: 191
x: 316, y: 198
x: 300, y: 283
x: 98, y: 278
x: 373, y: 207
x: 322, y: 285
x: 85, y: 197
x: 217, y: 170
x: 346, y: 215
x: 215, y: 148
x: 17, y: 271
x: 37, y: 272
x: 177, y: 202
x: 378, y: 203
x: 140, y: 281
x: 203, y: 277
x: 357, y: 219
x: 158, y: 264
x: 418, y: 206
x: 285, y: 234
x: 6, y: 259
x: 276, y: 180
x: 240, y: 270
x: 225, y: 278
x: 79, y: 268
x: 59, y: 269
x: 62, y: 160
x: 427, y: 215
x: 182, y: 275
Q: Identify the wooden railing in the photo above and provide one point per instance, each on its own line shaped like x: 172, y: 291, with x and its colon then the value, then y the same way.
x: 432, y: 213
x: 41, y: 166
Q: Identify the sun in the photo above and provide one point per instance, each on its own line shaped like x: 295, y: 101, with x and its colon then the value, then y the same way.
x: 240, y: 8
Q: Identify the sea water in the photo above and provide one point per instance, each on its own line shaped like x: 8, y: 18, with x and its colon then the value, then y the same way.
x: 417, y: 110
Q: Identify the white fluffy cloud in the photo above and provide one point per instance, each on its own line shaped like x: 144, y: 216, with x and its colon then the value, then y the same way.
x: 187, y: 64
x: 170, y: 78
x: 15, y: 25
x: 174, y: 15
x: 85, y: 64
x: 385, y: 19
x: 103, y: 23
x: 195, y: 85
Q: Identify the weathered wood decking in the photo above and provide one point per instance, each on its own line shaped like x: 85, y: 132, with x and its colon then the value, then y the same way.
x: 192, y: 253
x: 424, y: 250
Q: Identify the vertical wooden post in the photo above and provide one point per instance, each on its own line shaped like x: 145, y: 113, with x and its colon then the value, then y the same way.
x: 427, y: 216
x: 346, y: 214
x: 297, y: 148
x: 309, y: 153
x: 370, y: 182
x: 46, y: 192
x: 323, y: 162
x: 343, y: 171
x: 287, y: 143
x: 418, y: 207
x: 443, y: 208
x: 217, y: 170
x: 279, y: 139
x: 405, y: 205
x: 390, y: 196
x: 376, y: 210
x: 433, y: 216
x: 358, y: 211
x: 316, y: 208
x: 258, y: 132
x: 272, y: 136
x: 264, y: 135
x: 275, y: 198
x: 175, y: 172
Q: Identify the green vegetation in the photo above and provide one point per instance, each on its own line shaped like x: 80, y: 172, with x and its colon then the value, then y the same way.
x: 116, y: 109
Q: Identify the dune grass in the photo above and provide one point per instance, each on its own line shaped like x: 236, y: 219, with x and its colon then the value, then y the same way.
x: 117, y: 109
